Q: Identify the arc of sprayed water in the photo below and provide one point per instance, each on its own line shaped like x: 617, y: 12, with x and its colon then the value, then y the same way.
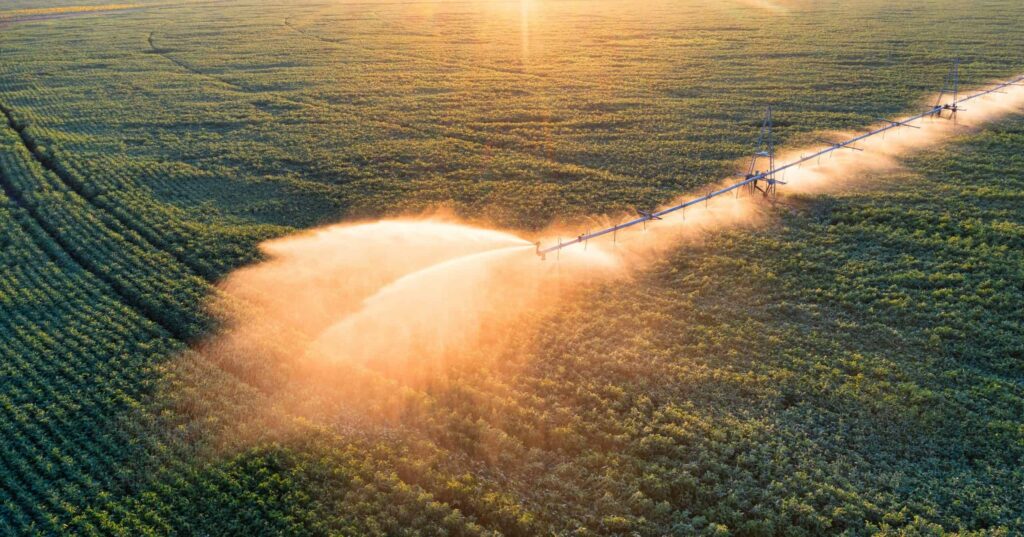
x: 413, y: 280
x: 439, y: 267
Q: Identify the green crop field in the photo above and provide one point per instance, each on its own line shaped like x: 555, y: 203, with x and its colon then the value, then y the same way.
x: 854, y: 366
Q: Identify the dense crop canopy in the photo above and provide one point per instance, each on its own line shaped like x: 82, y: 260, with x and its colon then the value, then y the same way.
x: 852, y: 367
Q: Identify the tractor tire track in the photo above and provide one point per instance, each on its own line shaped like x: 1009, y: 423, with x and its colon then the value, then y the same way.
x: 165, y: 54
x: 439, y: 132
x: 58, y: 249
x: 61, y: 250
x: 449, y: 135
x: 66, y: 253
x: 140, y: 238
x: 592, y: 84
x: 415, y: 57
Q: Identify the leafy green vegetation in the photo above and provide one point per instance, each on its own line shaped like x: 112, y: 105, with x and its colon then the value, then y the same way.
x: 855, y: 367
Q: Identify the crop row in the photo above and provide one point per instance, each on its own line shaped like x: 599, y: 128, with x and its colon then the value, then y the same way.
x: 75, y: 358
x: 67, y: 418
x: 121, y: 188
x: 147, y: 278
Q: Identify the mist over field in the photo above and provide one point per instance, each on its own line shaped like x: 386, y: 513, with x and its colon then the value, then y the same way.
x: 272, y: 268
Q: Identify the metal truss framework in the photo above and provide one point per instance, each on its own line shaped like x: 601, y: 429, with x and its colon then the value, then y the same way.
x: 765, y: 182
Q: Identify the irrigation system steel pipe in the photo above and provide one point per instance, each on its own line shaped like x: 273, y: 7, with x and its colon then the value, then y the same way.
x: 542, y: 252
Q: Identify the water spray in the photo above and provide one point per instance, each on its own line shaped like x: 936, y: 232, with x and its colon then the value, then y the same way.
x: 765, y: 182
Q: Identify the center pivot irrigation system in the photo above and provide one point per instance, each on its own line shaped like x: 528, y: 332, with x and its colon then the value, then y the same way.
x: 764, y: 182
